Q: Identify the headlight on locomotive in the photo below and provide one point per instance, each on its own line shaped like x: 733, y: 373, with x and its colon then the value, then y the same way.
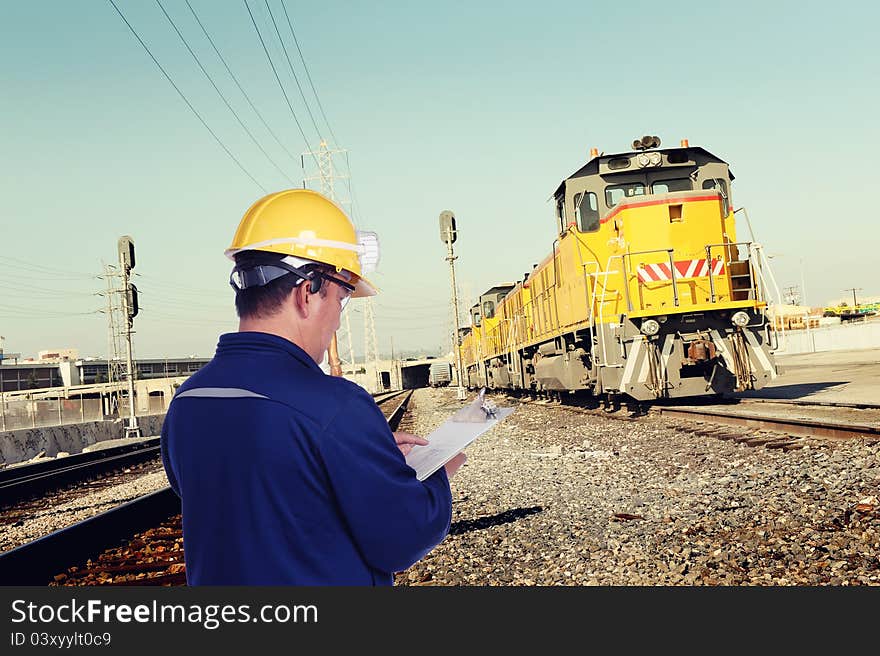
x: 740, y: 318
x: 650, y: 327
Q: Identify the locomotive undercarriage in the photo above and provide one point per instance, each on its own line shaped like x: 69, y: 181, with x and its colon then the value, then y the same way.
x: 690, y: 355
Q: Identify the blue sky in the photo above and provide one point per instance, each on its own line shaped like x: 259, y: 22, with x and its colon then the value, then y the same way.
x: 480, y: 108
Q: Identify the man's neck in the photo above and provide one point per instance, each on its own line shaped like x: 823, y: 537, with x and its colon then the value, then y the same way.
x: 277, y: 325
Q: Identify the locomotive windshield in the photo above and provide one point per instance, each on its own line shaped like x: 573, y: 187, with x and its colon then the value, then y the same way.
x: 615, y: 193
x: 674, y: 184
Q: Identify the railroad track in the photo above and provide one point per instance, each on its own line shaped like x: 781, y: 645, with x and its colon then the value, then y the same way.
x: 144, y: 537
x: 822, y: 404
x: 732, y: 420
x: 22, y: 482
x: 795, y: 428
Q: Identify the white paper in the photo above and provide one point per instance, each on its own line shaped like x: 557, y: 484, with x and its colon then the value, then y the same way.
x: 448, y: 440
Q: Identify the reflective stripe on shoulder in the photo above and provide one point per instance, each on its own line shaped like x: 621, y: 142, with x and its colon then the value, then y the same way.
x: 220, y: 393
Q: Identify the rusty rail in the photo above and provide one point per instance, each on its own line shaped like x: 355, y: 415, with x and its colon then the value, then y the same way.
x: 24, y: 481
x: 790, y: 425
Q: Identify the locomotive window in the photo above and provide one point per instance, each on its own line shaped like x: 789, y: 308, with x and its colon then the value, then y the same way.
x: 615, y: 193
x: 488, y: 309
x: 560, y: 214
x: 676, y: 184
x: 587, y: 211
x: 719, y: 185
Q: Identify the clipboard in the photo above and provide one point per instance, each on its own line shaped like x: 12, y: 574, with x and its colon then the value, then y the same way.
x: 452, y: 436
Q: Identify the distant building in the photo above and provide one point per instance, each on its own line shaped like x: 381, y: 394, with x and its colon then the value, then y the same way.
x: 66, y: 373
x: 24, y: 376
x: 58, y: 355
x: 92, y: 371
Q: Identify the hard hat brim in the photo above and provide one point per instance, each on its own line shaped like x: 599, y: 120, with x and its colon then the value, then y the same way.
x: 363, y: 288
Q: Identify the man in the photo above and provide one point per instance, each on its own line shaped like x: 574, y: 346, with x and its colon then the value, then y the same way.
x: 288, y: 476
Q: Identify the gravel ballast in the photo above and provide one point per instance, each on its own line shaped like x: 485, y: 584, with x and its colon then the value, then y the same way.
x: 550, y: 496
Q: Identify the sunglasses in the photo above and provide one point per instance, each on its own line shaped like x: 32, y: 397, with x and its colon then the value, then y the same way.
x: 348, y: 287
x: 262, y: 274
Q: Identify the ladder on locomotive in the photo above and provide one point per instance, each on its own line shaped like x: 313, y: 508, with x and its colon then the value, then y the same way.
x: 598, y: 345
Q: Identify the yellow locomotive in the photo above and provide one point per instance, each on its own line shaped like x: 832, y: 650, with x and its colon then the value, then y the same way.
x: 647, y: 290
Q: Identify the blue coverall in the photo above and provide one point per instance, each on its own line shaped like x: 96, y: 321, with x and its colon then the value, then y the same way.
x: 288, y: 476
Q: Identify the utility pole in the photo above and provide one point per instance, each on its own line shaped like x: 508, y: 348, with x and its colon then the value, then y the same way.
x: 115, y: 321
x: 803, y: 286
x: 854, y: 290
x: 350, y: 342
x: 333, y: 358
x: 448, y: 235
x: 115, y: 372
x: 371, y: 347
x: 130, y: 310
x: 396, y: 373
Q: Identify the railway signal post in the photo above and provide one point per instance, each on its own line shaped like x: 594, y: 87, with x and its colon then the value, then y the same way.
x: 447, y: 236
x: 125, y: 246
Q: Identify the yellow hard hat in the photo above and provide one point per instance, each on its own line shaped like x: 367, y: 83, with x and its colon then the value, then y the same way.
x: 310, y: 226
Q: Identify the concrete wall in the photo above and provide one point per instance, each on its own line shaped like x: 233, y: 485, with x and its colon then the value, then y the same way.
x: 25, y: 443
x: 842, y: 337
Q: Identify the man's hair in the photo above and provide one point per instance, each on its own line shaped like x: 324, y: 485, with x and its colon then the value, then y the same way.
x: 266, y: 300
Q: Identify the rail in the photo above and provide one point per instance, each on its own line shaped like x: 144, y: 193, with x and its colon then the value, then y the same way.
x: 36, y: 562
x: 23, y: 481
x: 792, y: 426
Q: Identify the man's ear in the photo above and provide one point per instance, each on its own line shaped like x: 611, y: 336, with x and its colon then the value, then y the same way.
x: 299, y: 296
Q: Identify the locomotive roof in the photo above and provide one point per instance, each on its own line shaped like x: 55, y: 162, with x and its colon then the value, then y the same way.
x: 501, y: 288
x: 698, y: 154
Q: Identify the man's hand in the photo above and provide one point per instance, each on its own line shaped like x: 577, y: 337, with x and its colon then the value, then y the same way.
x: 406, y: 441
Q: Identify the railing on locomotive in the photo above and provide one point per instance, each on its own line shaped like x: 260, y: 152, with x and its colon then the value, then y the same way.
x: 670, y: 254
x: 754, y: 287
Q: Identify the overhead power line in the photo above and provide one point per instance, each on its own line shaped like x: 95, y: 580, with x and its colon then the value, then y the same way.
x: 308, y: 75
x: 355, y: 206
x: 238, y: 84
x: 292, y: 72
x: 185, y: 99
x: 275, y: 71
x: 38, y: 268
x: 222, y: 97
x: 19, y: 312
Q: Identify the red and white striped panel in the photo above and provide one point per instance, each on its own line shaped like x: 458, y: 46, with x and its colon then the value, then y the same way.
x: 683, y: 269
